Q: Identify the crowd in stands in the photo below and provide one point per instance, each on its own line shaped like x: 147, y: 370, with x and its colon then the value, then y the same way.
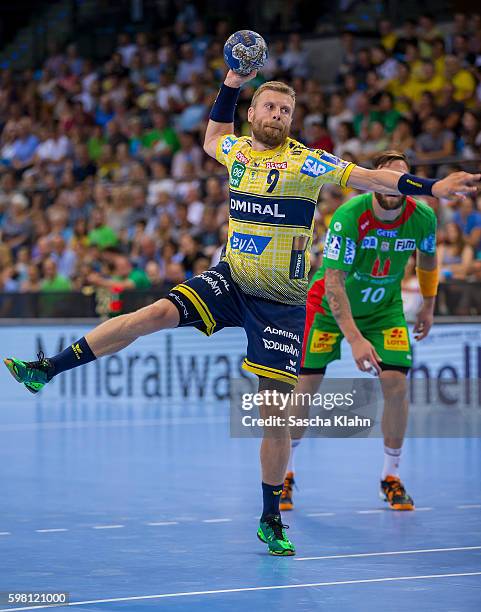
x: 104, y: 182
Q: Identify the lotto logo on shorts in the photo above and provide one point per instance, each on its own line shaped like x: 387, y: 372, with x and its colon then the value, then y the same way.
x: 322, y: 342
x: 396, y: 339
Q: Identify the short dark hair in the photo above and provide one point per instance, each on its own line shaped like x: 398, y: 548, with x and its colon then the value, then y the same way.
x: 386, y: 157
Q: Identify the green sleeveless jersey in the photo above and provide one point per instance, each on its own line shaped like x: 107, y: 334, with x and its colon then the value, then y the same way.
x: 374, y: 253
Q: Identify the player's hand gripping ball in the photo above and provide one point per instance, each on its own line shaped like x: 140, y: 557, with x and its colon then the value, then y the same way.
x: 245, y: 51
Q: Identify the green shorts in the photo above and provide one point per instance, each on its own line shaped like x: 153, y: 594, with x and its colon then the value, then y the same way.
x: 387, y: 332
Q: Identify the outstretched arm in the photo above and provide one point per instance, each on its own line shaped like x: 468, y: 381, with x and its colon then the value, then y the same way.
x: 362, y: 350
x: 395, y: 183
x: 221, y: 120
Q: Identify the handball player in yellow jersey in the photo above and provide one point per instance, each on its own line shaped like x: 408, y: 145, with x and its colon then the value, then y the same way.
x: 261, y: 282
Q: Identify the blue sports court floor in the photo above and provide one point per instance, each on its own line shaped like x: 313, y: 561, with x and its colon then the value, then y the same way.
x: 131, y: 507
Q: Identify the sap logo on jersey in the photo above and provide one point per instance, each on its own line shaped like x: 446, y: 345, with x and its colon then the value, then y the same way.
x: 387, y: 233
x: 227, y: 144
x: 404, y: 244
x: 369, y: 242
x: 350, y: 252
x: 315, y: 167
x: 248, y: 243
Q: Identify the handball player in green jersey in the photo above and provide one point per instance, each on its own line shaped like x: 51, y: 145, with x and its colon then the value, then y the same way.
x: 261, y: 282
x: 356, y: 294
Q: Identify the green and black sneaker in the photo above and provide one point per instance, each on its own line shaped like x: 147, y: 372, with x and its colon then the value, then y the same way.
x: 33, y: 374
x: 272, y: 532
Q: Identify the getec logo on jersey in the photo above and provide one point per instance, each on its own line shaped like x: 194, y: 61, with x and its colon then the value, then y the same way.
x: 385, y: 233
x: 350, y: 252
x: 315, y: 167
x: 227, y: 144
x: 249, y: 243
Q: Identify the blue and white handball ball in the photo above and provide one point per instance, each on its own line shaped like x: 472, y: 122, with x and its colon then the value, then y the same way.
x: 245, y: 51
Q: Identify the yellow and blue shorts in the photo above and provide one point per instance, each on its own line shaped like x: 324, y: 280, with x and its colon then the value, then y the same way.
x: 212, y: 301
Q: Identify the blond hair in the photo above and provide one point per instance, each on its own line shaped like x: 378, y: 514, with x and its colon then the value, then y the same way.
x: 278, y: 86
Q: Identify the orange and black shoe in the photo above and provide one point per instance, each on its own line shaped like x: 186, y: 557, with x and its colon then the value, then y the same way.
x: 393, y: 492
x: 286, y: 502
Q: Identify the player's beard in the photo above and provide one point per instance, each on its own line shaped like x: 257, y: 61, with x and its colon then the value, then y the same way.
x: 269, y: 135
x: 389, y: 202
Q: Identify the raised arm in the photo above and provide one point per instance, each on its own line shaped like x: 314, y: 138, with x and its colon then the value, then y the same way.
x: 362, y: 350
x: 395, y: 183
x: 221, y: 119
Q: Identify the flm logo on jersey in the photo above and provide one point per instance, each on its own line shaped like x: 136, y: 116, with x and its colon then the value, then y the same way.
x: 242, y: 158
x: 227, y: 144
x: 236, y: 173
x: 404, y: 244
x: 350, y: 252
x: 249, y: 243
x: 315, y: 167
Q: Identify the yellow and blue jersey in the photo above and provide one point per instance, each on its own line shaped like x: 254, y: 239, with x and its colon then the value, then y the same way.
x: 272, y: 200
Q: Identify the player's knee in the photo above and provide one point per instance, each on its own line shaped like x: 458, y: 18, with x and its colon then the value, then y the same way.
x: 394, y: 385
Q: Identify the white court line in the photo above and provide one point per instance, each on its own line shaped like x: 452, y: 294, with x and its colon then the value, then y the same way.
x: 322, y: 514
x: 467, y: 506
x: 163, y: 523
x: 243, y: 590
x: 426, y: 509
x: 369, y: 511
x: 219, y: 520
x: 50, y: 530
x: 5, y: 533
x: 107, y: 526
x: 391, y: 552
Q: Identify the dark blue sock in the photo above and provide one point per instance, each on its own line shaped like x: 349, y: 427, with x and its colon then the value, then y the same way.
x: 77, y: 354
x: 272, y: 497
